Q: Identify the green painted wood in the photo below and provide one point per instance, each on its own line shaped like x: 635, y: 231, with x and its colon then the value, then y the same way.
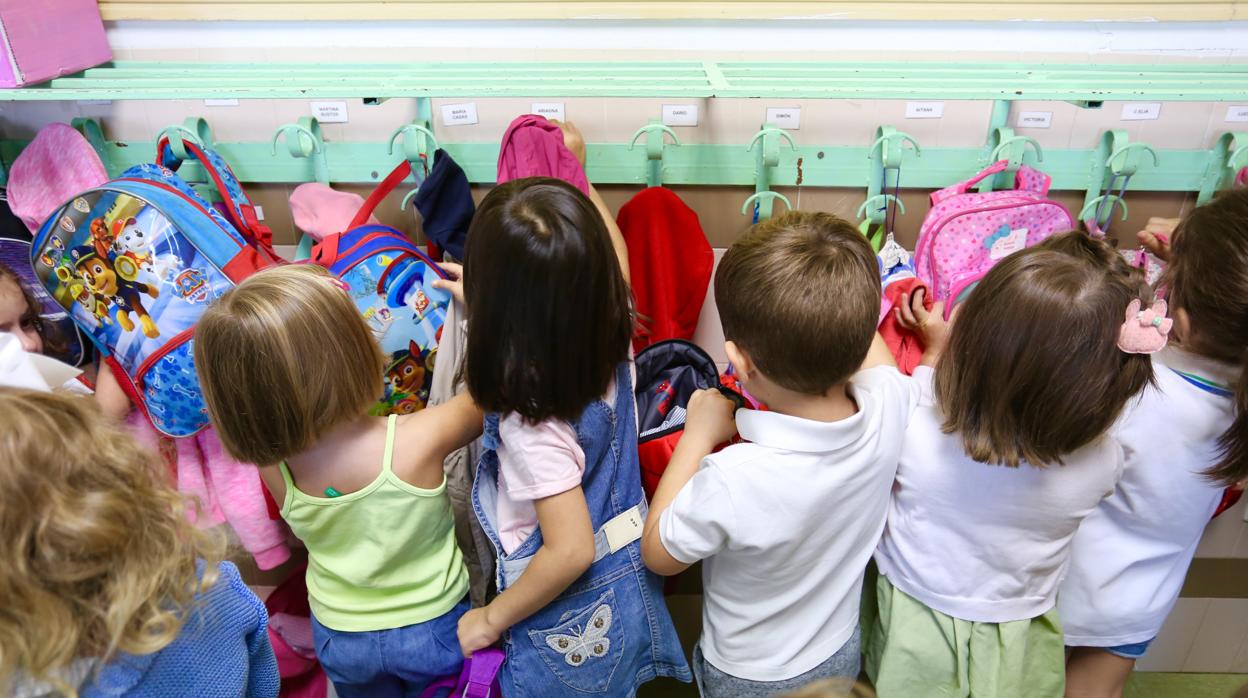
x: 689, y: 79
x: 688, y: 164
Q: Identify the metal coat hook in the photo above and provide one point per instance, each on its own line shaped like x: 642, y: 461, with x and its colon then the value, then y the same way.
x: 764, y: 199
x: 1089, y: 209
x: 1226, y: 159
x: 654, y: 149
x: 1018, y: 150
x: 1113, y: 163
x: 887, y: 152
x: 414, y: 148
x: 881, y: 200
x: 1129, y: 166
x: 766, y: 159
x: 194, y: 129
x: 304, y: 140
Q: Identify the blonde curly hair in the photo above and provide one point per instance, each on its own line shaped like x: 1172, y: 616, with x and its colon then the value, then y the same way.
x: 96, y: 553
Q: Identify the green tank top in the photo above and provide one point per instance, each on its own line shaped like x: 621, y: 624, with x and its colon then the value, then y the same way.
x: 381, y: 557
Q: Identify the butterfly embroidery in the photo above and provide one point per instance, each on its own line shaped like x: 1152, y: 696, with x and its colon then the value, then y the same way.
x: 578, y: 646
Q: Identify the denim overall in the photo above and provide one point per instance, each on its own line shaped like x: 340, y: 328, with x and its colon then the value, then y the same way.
x: 609, y: 632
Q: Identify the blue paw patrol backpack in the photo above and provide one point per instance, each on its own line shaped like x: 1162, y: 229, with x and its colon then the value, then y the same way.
x: 391, y: 281
x: 137, y: 260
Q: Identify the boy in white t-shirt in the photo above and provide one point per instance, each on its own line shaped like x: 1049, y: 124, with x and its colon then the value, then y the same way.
x: 787, y: 521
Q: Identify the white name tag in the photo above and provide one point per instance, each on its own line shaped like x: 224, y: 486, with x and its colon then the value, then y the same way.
x: 624, y: 529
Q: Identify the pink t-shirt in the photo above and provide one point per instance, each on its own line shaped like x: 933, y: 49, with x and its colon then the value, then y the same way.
x: 534, y: 461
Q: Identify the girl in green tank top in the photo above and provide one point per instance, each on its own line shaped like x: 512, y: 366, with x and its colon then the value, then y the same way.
x: 289, y: 371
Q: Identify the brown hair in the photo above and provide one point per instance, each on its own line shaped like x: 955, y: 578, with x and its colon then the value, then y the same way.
x: 549, y: 311
x: 53, y: 342
x: 283, y: 359
x: 1032, y: 370
x: 800, y: 294
x: 1208, y: 280
x: 96, y: 553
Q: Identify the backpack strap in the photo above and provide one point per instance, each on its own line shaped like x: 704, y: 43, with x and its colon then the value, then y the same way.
x: 483, y: 668
x: 1027, y: 179
x: 238, y: 208
x: 387, y: 185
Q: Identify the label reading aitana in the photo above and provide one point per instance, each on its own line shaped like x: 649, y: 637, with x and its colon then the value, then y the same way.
x: 925, y: 110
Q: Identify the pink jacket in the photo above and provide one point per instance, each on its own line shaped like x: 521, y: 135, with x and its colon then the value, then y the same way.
x: 533, y: 147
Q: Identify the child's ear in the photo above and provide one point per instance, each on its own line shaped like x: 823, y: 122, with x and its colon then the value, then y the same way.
x: 1182, y: 325
x: 741, y: 361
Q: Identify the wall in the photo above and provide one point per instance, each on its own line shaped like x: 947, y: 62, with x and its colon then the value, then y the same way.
x: 1208, y: 630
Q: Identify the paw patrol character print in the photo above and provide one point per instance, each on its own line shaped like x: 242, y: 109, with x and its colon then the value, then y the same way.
x: 379, y: 321
x: 131, y: 249
x: 125, y: 294
x: 405, y: 383
x: 191, y: 285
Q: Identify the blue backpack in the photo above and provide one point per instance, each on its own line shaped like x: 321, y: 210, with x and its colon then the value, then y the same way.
x: 137, y: 260
x: 391, y: 281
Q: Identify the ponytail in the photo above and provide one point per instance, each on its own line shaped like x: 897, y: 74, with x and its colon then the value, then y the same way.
x: 1232, y: 465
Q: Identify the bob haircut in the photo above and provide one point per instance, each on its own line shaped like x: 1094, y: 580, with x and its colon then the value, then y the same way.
x: 283, y: 359
x: 97, y: 555
x: 549, y: 312
x: 1208, y: 280
x: 1032, y: 370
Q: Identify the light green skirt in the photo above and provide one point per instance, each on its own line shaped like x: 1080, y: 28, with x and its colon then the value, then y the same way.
x: 912, y: 651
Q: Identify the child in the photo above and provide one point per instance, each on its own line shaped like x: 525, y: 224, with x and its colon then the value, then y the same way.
x: 1185, y: 440
x: 289, y: 370
x: 20, y: 314
x: 558, y: 489
x: 108, y: 589
x: 786, y: 523
x: 1003, y: 459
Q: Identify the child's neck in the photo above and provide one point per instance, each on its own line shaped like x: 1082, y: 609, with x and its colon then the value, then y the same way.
x: 832, y: 406
x: 342, y: 439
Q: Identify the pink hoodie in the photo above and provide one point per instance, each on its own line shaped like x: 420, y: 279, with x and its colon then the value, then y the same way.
x: 533, y: 147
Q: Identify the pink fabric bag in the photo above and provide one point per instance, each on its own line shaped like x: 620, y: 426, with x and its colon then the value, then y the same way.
x: 57, y: 165
x: 533, y: 147
x: 965, y: 234
x: 44, y: 39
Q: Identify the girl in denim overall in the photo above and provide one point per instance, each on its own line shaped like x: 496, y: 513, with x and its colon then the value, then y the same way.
x: 558, y: 488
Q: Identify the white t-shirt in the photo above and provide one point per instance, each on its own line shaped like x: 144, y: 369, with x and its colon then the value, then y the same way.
x: 786, y: 525
x: 980, y: 542
x: 1131, y: 555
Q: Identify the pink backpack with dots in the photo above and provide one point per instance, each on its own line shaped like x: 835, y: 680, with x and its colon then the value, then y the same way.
x: 966, y: 233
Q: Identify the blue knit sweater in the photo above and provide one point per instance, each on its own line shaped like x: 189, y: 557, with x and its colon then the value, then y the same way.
x: 223, y: 651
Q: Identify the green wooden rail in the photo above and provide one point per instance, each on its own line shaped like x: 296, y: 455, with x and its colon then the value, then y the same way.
x: 767, y: 161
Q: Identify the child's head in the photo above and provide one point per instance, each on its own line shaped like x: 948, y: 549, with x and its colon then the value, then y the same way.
x: 283, y: 359
x: 799, y: 298
x: 96, y: 553
x: 1208, y: 281
x: 549, y: 312
x: 1032, y: 370
x: 19, y: 311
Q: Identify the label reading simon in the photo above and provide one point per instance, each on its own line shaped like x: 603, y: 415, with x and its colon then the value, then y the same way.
x: 785, y: 117
x: 1035, y: 119
x: 550, y: 110
x: 925, y: 110
x: 1141, y: 111
x: 680, y: 115
x: 330, y: 112
x: 459, y: 114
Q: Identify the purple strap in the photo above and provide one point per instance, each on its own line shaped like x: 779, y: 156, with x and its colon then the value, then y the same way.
x: 477, y: 679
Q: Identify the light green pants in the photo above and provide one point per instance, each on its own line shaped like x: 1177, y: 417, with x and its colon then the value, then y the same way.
x: 912, y: 651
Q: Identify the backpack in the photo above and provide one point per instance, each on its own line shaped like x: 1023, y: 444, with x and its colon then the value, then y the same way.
x: 391, y: 282
x: 136, y: 261
x: 668, y: 374
x: 965, y: 234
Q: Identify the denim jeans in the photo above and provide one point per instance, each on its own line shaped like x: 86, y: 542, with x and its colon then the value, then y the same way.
x: 395, y: 662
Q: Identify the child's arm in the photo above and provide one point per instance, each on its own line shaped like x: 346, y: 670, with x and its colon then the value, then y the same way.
x: 930, y: 325
x: 112, y: 400
x: 458, y: 422
x: 710, y: 422
x: 575, y: 142
x: 1156, y: 236
x: 567, y: 551
x: 878, y: 354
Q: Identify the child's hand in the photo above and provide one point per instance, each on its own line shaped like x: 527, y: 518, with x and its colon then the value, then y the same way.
x: 711, y: 418
x: 455, y: 284
x: 930, y: 325
x: 572, y: 138
x: 1155, y: 237
x: 476, y: 632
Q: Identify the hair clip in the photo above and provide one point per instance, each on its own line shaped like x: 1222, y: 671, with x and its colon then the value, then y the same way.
x: 339, y: 283
x: 1144, y: 331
